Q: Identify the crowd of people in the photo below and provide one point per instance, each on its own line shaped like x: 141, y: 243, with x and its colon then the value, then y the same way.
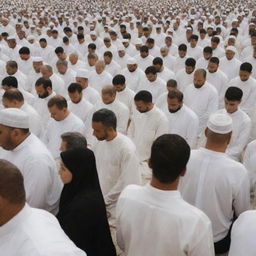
x: 127, y: 128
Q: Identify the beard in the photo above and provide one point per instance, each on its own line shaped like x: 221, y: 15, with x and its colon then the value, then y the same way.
x: 44, y: 95
x: 174, y: 110
x: 197, y: 86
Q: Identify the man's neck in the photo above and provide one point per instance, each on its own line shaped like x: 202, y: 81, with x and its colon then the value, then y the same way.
x: 164, y: 186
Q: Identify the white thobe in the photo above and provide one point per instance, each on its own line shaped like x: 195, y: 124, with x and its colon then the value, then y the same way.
x: 203, y: 101
x: 243, y: 235
x: 58, y: 85
x: 184, y: 79
x: 25, y: 66
x: 122, y: 61
x: 68, y: 77
x: 179, y: 228
x: 35, y: 232
x: 217, y: 185
x: 166, y: 74
x: 202, y: 63
x: 91, y: 95
x: 156, y: 88
x: 230, y: 67
x: 218, y: 52
x: 169, y: 62
x: 249, y: 94
x: 46, y: 53
x: 117, y: 166
x: 126, y: 96
x: 155, y: 51
x: 79, y: 65
x: 113, y: 68
x: 133, y: 79
x: 241, y: 129
x: 98, y: 81
x: 250, y: 163
x: 195, y: 52
x: 121, y: 111
x: 41, y: 180
x: 35, y: 121
x: 143, y: 63
x: 54, y: 129
x: 185, y: 123
x: 131, y: 50
x: 31, y: 81
x: 13, y: 53
x: 220, y: 81
x: 180, y: 63
x: 21, y: 78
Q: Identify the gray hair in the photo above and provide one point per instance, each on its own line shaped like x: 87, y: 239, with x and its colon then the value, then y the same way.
x: 74, y: 140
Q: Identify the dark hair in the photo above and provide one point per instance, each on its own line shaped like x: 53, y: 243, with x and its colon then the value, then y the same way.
x: 24, y: 50
x: 13, y: 94
x: 169, y: 156
x: 92, y: 46
x: 75, y: 87
x: 59, y: 101
x: 176, y: 94
x: 246, y: 66
x: 65, y: 39
x: 67, y: 29
x: 10, y: 81
x: 108, y: 54
x: 44, y: 81
x: 143, y: 48
x: 158, y: 61
x: 106, y: 117
x: 234, y: 94
x: 208, y: 49
x: 214, y: 60
x: 80, y: 36
x: 59, y: 50
x: 12, y: 64
x: 74, y: 140
x: 118, y: 79
x: 150, y: 41
x: 144, y: 96
x: 195, y: 37
x: 190, y: 62
x: 202, y: 31
x: 150, y: 70
x: 42, y: 40
x: 182, y: 47
x: 172, y: 83
x: 11, y: 183
x: 215, y: 39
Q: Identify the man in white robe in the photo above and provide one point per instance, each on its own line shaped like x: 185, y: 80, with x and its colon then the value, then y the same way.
x: 32, y: 231
x: 182, y: 120
x: 116, y: 159
x: 144, y: 60
x: 27, y: 152
x: 202, y: 98
x: 168, y: 60
x: 203, y: 61
x: 241, y: 122
x: 62, y: 121
x: 159, y: 210
x: 111, y: 66
x: 25, y: 60
x: 147, y: 124
x: 194, y: 50
x: 205, y: 180
x: 181, y: 58
x: 163, y: 72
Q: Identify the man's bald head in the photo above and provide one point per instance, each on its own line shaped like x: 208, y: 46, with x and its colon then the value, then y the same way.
x: 99, y: 66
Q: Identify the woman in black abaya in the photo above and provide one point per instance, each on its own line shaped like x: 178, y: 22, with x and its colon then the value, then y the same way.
x: 82, y: 212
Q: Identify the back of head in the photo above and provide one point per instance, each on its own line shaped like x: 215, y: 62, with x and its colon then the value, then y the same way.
x: 11, y: 183
x: 10, y: 81
x: 74, y: 140
x: 169, y: 156
x: 234, y: 94
x: 13, y: 94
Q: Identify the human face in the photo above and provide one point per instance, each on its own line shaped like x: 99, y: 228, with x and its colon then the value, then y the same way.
x: 214, y: 45
x: 92, y: 61
x: 212, y: 67
x: 73, y: 59
x: 65, y: 175
x: 119, y: 87
x: 231, y: 106
x: 121, y: 53
x: 45, y: 72
x: 230, y: 54
x: 107, y: 60
x: 10, y: 71
x: 199, y: 80
x: 57, y: 114
x: 143, y: 54
x: 75, y: 96
x: 7, y: 138
x: 107, y: 98
x: 207, y: 55
x: 63, y: 146
x: 99, y: 68
x: 182, y: 54
x: 8, y: 103
x: 189, y: 69
x: 37, y: 66
x: 158, y: 67
x: 62, y: 69
x: 132, y: 67
x: 164, y: 52
x: 244, y: 75
x: 193, y: 43
x: 82, y: 81
x: 168, y: 42
x: 142, y: 107
x: 41, y: 91
x: 99, y: 131
x: 174, y: 105
x: 43, y: 44
x: 151, y: 77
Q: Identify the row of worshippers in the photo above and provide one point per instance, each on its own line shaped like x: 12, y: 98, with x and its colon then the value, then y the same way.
x: 181, y: 201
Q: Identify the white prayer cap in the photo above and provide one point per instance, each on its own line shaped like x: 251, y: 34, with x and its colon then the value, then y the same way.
x: 170, y: 30
x: 220, y: 123
x: 231, y: 48
x: 82, y: 73
x: 120, y: 48
x: 14, y: 117
x: 11, y: 38
x: 158, y: 26
x: 93, y: 33
x: 37, y: 59
x: 138, y: 41
x: 31, y: 37
x: 131, y: 61
x: 125, y: 41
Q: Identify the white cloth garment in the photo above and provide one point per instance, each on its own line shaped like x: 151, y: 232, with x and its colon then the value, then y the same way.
x: 184, y: 79
x: 163, y: 216
x: 58, y: 85
x: 185, y: 123
x: 134, y: 79
x: 217, y: 185
x: 91, y: 95
x: 113, y: 68
x: 126, y: 96
x: 243, y: 235
x: 98, y: 81
x: 68, y: 77
x: 34, y: 232
x: 41, y: 181
x: 203, y: 101
x: 230, y: 67
x: 166, y: 74
x: 241, y: 129
x: 117, y: 166
x: 143, y: 63
x: 54, y: 129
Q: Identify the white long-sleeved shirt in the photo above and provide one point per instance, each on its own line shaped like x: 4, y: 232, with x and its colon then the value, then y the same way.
x: 118, y: 166
x: 203, y: 101
x: 134, y: 79
x: 230, y: 67
x: 241, y: 129
x: 185, y: 123
x: 217, y: 185
x: 41, y: 181
x: 184, y: 79
x: 143, y: 63
x: 179, y: 228
x: 35, y: 232
x: 243, y: 235
x: 98, y: 81
x: 54, y: 129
